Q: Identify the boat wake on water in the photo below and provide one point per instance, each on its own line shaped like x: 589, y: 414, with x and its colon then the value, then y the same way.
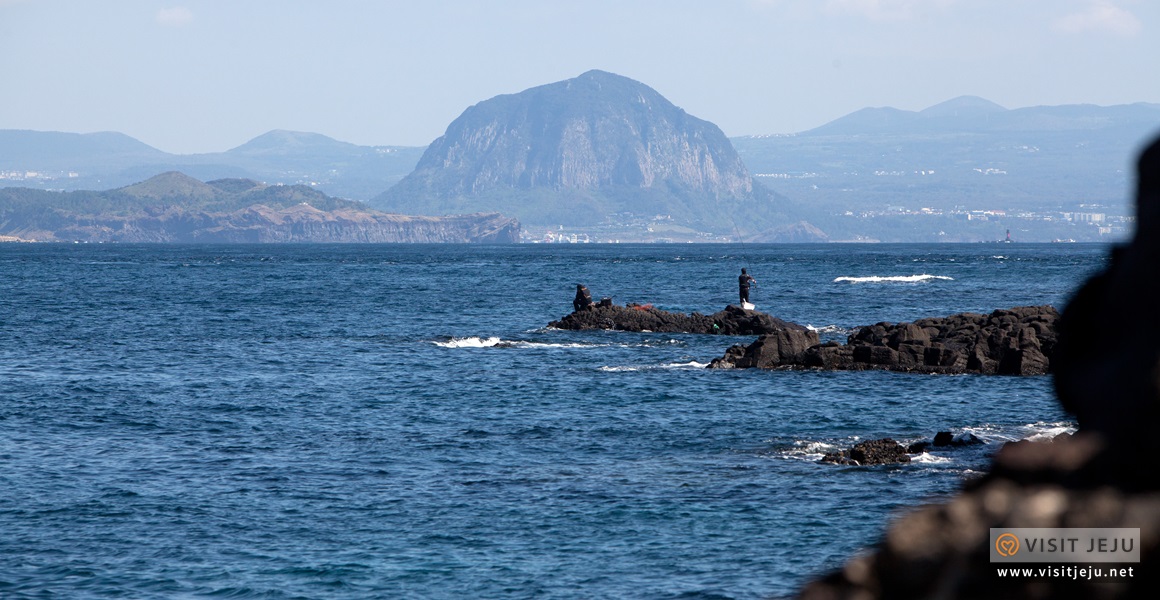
x: 894, y: 279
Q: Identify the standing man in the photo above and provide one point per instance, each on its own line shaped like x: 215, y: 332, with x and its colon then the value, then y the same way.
x: 743, y: 285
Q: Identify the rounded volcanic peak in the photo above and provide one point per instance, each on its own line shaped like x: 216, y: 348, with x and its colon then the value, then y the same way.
x: 169, y: 185
x: 963, y: 106
x: 281, y: 142
x: 590, y: 89
x: 867, y: 120
x: 582, y: 152
x: 236, y: 185
x: 589, y: 132
x: 282, y: 196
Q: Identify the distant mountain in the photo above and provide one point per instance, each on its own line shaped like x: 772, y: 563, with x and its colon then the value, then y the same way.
x: 72, y: 161
x: 887, y: 174
x: 963, y: 107
x: 970, y: 114
x: 866, y: 176
x: 587, y: 151
x: 296, y: 144
x: 50, y: 150
x: 173, y: 207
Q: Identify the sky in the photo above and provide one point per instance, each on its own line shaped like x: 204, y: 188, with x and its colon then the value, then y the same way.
x: 191, y: 76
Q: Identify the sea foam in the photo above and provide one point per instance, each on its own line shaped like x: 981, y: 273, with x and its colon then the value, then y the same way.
x: 893, y: 279
x: 629, y: 369
x: 469, y: 342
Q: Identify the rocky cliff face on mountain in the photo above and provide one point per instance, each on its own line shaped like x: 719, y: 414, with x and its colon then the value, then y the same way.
x: 581, y: 152
x: 175, y: 208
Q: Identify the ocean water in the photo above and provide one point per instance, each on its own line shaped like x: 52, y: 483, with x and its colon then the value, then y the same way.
x: 355, y: 421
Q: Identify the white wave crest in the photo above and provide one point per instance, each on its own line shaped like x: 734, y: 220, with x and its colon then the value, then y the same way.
x: 929, y: 459
x: 469, y: 342
x: 809, y: 450
x: 546, y: 345
x: 894, y: 279
x: 1032, y: 431
x: 629, y: 369
x: 828, y: 329
x: 1046, y: 431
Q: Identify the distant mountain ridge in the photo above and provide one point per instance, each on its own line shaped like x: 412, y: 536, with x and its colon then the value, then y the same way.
x: 967, y: 152
x: 173, y: 207
x: 967, y: 114
x: 578, y: 152
x: 75, y: 161
x: 884, y: 174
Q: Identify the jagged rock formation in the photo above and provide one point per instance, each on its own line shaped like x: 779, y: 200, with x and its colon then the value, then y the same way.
x: 175, y: 208
x: 578, y: 152
x: 885, y: 451
x: 1106, y: 374
x: 1019, y: 341
x: 734, y: 320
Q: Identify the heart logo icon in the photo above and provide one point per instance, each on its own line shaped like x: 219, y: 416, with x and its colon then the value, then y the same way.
x: 1007, y: 544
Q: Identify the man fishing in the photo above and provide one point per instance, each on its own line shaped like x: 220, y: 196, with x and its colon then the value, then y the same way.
x: 743, y: 283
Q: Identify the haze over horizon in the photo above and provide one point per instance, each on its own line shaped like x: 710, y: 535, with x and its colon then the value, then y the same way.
x: 198, y: 76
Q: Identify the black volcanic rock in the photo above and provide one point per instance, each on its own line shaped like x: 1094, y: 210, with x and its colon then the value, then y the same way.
x: 1018, y: 341
x: 734, y: 320
x: 576, y: 152
x: 885, y: 451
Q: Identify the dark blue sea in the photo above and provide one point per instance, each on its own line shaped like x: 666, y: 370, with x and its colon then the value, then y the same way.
x: 397, y: 421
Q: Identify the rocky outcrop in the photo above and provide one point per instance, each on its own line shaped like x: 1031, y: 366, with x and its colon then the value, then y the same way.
x: 586, y: 151
x: 734, y: 320
x: 782, y: 348
x: 1106, y: 374
x: 885, y: 451
x: 1019, y: 341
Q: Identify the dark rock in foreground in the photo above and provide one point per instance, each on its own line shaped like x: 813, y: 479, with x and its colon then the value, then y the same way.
x: 734, y: 320
x: 873, y: 452
x: 1019, y: 341
x: 1106, y: 374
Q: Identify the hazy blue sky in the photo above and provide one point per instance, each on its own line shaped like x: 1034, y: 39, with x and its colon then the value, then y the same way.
x: 201, y: 76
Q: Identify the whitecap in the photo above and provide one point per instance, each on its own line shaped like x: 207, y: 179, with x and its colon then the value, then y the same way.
x: 810, y: 450
x: 828, y: 329
x: 548, y: 345
x: 894, y: 279
x: 1045, y: 431
x: 1032, y: 431
x: 692, y: 364
x: 628, y: 369
x: 929, y: 459
x: 469, y: 342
